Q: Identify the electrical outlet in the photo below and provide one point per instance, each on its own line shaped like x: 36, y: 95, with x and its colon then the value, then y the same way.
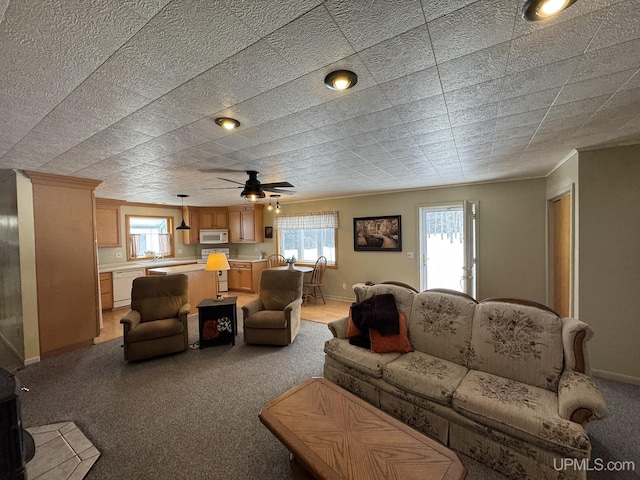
x: 344, y: 286
x: 409, y: 254
x: 180, y: 250
x: 118, y: 254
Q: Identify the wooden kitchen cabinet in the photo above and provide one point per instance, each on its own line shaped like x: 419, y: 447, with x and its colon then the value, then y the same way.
x: 106, y: 291
x: 245, y: 224
x: 107, y: 223
x: 240, y: 276
x: 191, y: 217
x: 214, y: 218
x: 245, y: 276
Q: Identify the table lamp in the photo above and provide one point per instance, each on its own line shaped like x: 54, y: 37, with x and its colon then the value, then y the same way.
x: 217, y: 262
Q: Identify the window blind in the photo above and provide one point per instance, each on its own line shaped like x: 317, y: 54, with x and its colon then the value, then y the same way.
x: 306, y: 221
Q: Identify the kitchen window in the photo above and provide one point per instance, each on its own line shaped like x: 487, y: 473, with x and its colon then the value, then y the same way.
x: 149, y: 237
x: 307, y: 236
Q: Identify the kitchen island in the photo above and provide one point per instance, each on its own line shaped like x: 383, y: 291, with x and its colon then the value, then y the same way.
x: 116, y: 279
x: 202, y: 283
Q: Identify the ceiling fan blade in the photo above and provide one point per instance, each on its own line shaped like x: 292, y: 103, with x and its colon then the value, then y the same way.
x: 277, y: 185
x: 277, y: 190
x: 232, y: 181
x: 219, y: 188
x: 220, y: 170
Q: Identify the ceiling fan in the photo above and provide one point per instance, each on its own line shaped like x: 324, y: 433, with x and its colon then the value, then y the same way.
x: 253, y: 190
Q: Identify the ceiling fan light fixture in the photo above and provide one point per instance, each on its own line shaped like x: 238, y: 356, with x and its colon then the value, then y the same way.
x: 227, y: 123
x: 183, y: 225
x: 252, y: 194
x: 340, y: 80
x: 536, y: 10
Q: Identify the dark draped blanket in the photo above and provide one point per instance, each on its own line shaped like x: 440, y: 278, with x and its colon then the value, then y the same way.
x: 378, y: 312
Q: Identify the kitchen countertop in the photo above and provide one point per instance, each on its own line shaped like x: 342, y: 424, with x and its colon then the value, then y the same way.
x: 111, y: 267
x: 193, y: 267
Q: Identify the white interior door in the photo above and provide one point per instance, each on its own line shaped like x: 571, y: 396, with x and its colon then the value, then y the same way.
x: 447, y: 247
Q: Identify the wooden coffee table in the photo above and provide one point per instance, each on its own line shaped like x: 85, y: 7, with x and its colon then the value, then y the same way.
x: 337, y: 435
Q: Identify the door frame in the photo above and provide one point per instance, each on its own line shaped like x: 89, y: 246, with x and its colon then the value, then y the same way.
x: 567, y: 190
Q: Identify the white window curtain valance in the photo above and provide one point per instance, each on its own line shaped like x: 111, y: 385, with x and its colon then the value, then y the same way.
x: 306, y: 221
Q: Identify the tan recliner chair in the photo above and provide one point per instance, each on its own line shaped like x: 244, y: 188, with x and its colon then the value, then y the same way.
x: 157, y: 322
x: 274, y: 317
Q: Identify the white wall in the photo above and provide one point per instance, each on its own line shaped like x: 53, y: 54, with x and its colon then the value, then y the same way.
x: 609, y: 250
x: 511, y: 239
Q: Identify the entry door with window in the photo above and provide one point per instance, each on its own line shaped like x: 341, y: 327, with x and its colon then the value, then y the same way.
x: 447, y: 247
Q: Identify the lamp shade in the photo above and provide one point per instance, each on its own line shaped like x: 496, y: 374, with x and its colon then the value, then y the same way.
x: 183, y: 226
x: 217, y: 261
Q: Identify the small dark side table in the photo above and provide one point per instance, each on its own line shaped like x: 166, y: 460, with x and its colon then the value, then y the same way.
x: 217, y: 321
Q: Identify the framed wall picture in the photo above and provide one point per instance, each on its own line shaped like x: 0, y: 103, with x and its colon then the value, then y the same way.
x: 377, y: 234
x: 268, y: 232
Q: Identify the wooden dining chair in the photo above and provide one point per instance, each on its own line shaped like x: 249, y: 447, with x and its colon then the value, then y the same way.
x: 275, y: 260
x: 316, y: 280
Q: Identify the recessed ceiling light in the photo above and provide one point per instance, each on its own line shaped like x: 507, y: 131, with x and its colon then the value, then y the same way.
x: 535, y: 10
x: 227, y: 123
x: 340, y: 80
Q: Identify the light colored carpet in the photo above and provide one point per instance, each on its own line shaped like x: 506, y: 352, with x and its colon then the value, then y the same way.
x: 195, y: 414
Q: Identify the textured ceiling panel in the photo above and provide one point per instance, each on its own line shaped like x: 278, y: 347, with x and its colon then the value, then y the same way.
x: 399, y: 56
x: 368, y: 23
x: 448, y: 92
x: 480, y: 25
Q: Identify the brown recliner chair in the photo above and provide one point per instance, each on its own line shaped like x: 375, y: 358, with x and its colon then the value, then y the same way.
x: 274, y: 317
x: 157, y: 322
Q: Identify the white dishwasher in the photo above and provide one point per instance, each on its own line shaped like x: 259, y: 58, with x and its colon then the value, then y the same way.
x: 122, y: 281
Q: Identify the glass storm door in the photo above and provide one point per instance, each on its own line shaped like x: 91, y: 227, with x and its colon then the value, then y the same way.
x: 447, y: 247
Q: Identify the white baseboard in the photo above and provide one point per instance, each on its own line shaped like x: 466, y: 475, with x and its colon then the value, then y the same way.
x: 30, y: 361
x: 350, y: 299
x: 616, y: 376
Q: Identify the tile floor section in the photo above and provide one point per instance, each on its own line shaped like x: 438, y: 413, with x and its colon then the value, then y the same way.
x: 63, y: 452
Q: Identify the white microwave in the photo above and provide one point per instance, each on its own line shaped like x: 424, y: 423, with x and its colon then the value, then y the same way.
x: 209, y: 237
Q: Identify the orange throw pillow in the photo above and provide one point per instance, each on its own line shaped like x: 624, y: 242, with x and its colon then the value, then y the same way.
x: 391, y: 343
x: 352, y: 330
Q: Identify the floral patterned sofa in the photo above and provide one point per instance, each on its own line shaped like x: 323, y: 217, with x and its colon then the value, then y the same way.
x: 506, y: 382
